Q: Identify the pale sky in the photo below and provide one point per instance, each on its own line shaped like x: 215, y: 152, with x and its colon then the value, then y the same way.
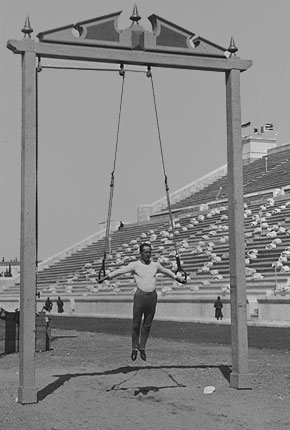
x: 78, y: 114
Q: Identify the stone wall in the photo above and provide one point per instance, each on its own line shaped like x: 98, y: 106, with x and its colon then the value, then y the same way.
x: 144, y: 211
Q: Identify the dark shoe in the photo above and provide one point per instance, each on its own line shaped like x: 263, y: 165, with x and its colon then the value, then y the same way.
x: 142, y: 354
x: 134, y: 354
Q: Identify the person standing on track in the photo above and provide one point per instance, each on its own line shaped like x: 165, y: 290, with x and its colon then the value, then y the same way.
x: 145, y: 297
x: 218, y: 308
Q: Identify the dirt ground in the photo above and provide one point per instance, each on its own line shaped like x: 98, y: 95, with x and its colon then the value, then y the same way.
x: 89, y: 382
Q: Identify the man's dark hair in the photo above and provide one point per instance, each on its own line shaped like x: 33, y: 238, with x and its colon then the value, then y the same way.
x: 143, y: 245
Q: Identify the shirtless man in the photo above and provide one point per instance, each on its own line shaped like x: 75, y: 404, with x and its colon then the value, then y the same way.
x: 145, y: 297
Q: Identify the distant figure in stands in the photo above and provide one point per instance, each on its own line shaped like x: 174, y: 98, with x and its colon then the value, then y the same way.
x: 2, y: 314
x: 59, y: 303
x: 121, y: 226
x: 48, y: 305
x: 145, y: 298
x: 218, y: 308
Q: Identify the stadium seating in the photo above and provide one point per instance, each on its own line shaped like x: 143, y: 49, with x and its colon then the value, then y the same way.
x: 202, y: 238
x: 256, y: 179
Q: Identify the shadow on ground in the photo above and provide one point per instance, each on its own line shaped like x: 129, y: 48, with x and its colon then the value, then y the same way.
x: 49, y: 389
x: 61, y: 337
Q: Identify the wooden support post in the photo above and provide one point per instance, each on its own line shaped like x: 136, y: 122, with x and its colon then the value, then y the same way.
x: 239, y: 376
x: 27, y: 390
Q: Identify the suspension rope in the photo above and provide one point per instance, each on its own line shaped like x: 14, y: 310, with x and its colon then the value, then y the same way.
x: 177, y: 257
x: 149, y: 75
x: 112, y: 183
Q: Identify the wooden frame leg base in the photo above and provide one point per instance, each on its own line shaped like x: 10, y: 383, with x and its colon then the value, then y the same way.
x: 27, y: 395
x: 240, y: 381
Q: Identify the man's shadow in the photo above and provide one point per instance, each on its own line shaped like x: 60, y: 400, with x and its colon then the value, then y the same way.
x: 49, y: 389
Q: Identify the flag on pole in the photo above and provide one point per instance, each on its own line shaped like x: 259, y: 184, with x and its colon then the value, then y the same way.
x: 246, y: 124
x: 269, y: 126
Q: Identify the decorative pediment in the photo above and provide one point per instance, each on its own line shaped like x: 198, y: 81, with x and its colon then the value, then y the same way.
x: 170, y: 37
x: 165, y: 37
x: 97, y: 30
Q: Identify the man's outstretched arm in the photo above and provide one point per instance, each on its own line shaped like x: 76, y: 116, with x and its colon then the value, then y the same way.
x: 170, y: 274
x: 118, y: 272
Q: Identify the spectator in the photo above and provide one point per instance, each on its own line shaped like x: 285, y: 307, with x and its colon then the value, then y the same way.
x: 2, y: 314
x: 218, y: 308
x: 59, y: 303
x: 48, y: 305
x: 121, y: 226
x: 46, y: 317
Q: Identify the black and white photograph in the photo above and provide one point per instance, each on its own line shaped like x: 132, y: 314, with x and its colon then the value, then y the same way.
x: 145, y: 216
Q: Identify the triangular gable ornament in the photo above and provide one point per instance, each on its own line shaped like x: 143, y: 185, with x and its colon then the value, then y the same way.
x: 165, y: 37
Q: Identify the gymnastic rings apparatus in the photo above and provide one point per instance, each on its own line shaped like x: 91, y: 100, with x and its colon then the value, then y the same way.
x: 177, y: 256
x: 102, y: 270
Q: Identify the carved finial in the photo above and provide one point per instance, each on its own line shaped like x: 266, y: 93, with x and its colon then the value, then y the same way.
x: 135, y: 17
x: 27, y: 28
x: 232, y: 48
